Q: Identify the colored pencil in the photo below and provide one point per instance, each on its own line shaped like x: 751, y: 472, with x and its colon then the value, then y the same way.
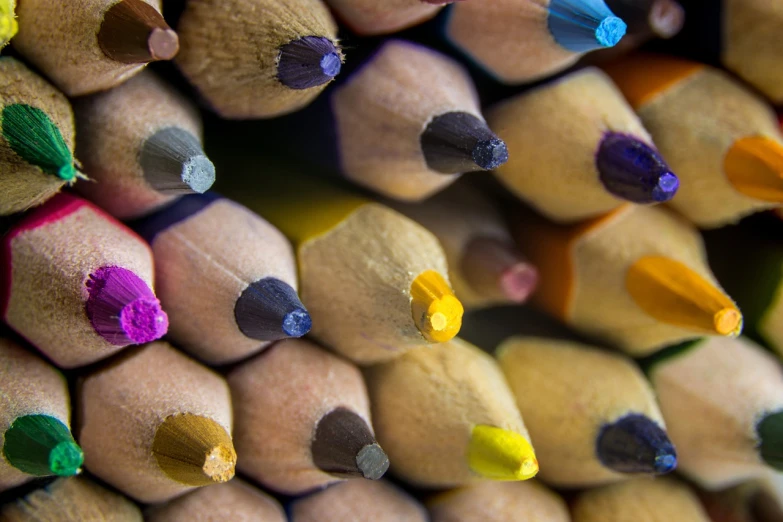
x: 723, y: 404
x: 661, y: 18
x: 367, y: 310
x: 408, y: 123
x: 8, y: 23
x: 155, y: 424
x: 358, y: 501
x: 518, y: 41
x: 369, y: 17
x: 747, y: 502
x: 226, y: 278
x: 141, y: 145
x: 258, y: 58
x: 578, y: 149
x: 36, y: 148
x: 35, y: 413
x: 76, y: 499
x: 591, y: 414
x: 639, y: 500
x: 446, y: 418
x: 499, y: 502
x: 485, y: 266
x: 234, y: 501
x: 721, y: 139
x: 57, y: 39
x: 636, y: 279
x: 77, y: 283
x: 303, y: 419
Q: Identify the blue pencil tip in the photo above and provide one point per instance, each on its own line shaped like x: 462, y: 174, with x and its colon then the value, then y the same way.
x: 269, y: 310
x: 665, y: 463
x: 308, y: 62
x: 331, y: 64
x: 636, y: 444
x: 584, y: 25
x: 610, y: 31
x: 297, y: 323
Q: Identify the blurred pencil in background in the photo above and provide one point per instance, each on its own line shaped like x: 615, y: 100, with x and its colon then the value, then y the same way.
x: 370, y: 17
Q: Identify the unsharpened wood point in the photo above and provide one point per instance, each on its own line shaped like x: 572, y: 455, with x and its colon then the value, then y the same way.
x: 754, y: 166
x: 437, y: 312
x: 344, y: 446
x: 634, y: 171
x: 636, y: 444
x: 122, y: 308
x: 194, y: 450
x: 770, y: 434
x: 495, y: 268
x: 42, y: 445
x: 269, y: 310
x: 174, y: 163
x: 133, y: 31
x: 457, y: 142
x: 674, y: 294
x: 584, y: 26
x: 308, y: 62
x: 499, y: 454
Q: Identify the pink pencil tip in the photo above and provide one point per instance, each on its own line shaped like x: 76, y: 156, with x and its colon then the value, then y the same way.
x: 519, y: 281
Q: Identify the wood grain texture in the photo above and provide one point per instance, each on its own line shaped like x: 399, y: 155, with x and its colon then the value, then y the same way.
x: 60, y: 39
x: 370, y: 17
x: 122, y: 404
x: 112, y: 128
x: 25, y: 185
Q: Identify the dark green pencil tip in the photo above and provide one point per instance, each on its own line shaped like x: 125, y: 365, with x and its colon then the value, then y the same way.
x: 42, y: 445
x: 770, y: 433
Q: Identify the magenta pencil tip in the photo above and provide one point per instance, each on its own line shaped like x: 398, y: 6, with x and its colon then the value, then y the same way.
x: 122, y: 308
x: 519, y: 281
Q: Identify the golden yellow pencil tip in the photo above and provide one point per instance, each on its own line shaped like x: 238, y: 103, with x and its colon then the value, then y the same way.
x: 8, y: 25
x: 194, y: 450
x: 499, y: 454
x: 436, y: 311
x: 754, y: 166
x: 672, y: 293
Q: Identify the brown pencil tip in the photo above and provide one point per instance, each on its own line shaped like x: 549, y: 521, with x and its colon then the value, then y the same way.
x: 344, y: 446
x: 194, y: 450
x: 133, y: 31
x: 495, y: 269
x: 754, y: 166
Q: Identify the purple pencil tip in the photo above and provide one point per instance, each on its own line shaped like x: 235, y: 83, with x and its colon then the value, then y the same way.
x: 122, y: 309
x: 632, y: 170
x: 308, y: 62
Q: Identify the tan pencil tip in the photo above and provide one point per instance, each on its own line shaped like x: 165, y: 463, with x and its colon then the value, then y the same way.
x: 133, y: 31
x: 754, y: 166
x: 436, y: 311
x: 672, y: 293
x: 194, y: 450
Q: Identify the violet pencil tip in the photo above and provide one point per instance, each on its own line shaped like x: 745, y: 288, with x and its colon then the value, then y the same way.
x: 308, y: 62
x: 143, y: 320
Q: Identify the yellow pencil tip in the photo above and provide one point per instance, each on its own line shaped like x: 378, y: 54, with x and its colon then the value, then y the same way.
x: 674, y: 294
x: 754, y: 166
x: 436, y: 310
x: 499, y: 454
x: 8, y: 25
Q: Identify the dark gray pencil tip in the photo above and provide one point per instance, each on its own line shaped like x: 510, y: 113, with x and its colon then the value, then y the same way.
x: 174, y: 163
x: 344, y: 446
x: 632, y: 170
x: 269, y: 309
x: 457, y: 142
x: 308, y: 62
x: 636, y: 444
x: 770, y: 434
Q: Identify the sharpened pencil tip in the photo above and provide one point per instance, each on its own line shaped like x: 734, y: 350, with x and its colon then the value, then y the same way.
x: 499, y: 454
x: 173, y: 162
x: 584, y: 25
x: 66, y: 458
x: 41, y: 445
x: 632, y: 170
x: 754, y: 166
x: 143, y: 320
x: 490, y: 154
x: 372, y: 461
x: 162, y: 44
x: 519, y: 281
x: 636, y: 444
x: 133, y: 31
x: 436, y: 311
x: 269, y: 310
x: 610, y: 31
x: 770, y: 434
x: 344, y: 446
x: 457, y: 142
x: 495, y: 269
x: 297, y: 323
x: 308, y: 62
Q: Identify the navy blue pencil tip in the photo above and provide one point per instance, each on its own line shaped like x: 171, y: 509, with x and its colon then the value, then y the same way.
x: 308, y: 62
x: 297, y: 323
x: 270, y: 310
x: 636, y: 444
x: 584, y: 25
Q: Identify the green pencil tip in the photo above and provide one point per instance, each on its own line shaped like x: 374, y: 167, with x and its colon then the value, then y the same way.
x: 42, y: 445
x: 770, y: 433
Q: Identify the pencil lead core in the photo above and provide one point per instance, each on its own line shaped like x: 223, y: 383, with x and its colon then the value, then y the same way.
x: 584, y: 25
x: 770, y: 434
x: 666, y: 18
x: 269, y: 310
x: 499, y: 454
x: 457, y: 142
x: 194, y: 450
x: 636, y: 444
x: 8, y: 24
x: 632, y: 170
x: 36, y: 139
x: 672, y: 293
x: 42, y: 445
x: 436, y: 311
x: 344, y: 446
x: 133, y: 31
x: 495, y: 269
x: 754, y: 166
x: 174, y: 163
x: 122, y: 309
x: 308, y: 62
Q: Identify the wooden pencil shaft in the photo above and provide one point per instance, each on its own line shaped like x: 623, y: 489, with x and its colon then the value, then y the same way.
x: 134, y: 32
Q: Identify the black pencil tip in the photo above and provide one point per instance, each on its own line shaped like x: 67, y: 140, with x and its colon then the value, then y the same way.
x: 174, y: 162
x: 308, y: 62
x: 636, y: 444
x: 457, y: 142
x: 344, y: 446
x: 770, y: 433
x: 269, y: 309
